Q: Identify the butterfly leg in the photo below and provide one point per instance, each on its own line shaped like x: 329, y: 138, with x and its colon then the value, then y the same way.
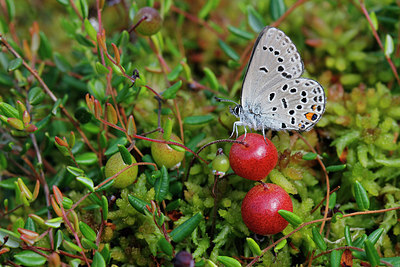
x: 234, y: 129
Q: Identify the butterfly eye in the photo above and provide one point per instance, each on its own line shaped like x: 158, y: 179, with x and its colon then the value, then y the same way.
x: 237, y: 109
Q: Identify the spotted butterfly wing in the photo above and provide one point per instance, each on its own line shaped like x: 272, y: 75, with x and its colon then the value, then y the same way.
x: 273, y: 93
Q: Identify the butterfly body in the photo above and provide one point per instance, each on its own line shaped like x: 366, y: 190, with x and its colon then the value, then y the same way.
x: 274, y: 95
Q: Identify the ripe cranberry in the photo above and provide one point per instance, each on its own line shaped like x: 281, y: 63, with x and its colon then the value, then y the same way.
x: 260, y: 209
x: 183, y: 259
x: 254, y: 161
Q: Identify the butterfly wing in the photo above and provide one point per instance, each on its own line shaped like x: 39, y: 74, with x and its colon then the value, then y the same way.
x: 274, y: 58
x: 295, y: 104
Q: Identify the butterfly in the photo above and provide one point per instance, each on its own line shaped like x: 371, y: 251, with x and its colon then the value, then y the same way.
x: 274, y: 95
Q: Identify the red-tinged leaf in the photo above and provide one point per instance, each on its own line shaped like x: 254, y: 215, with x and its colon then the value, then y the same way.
x: 58, y: 195
x: 28, y: 233
x: 16, y: 123
x: 111, y: 114
x: 90, y: 102
x: 30, y: 128
x: 37, y: 219
x: 131, y: 127
x: 24, y: 189
x: 27, y: 240
x: 56, y: 208
x: 347, y: 258
x: 116, y: 53
x: 4, y: 250
x: 26, y: 117
x: 61, y: 142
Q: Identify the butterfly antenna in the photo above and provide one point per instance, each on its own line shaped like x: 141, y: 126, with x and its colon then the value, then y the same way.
x: 225, y: 100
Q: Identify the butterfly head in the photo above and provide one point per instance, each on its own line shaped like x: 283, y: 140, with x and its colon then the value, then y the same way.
x: 237, y: 110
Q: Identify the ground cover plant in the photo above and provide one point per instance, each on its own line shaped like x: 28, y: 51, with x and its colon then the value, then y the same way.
x: 115, y: 151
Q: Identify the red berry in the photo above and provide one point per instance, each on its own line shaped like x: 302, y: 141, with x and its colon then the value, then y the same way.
x: 260, y: 209
x: 183, y: 259
x: 254, y: 161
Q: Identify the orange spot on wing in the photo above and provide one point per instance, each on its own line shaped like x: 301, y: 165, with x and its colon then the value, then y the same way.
x: 309, y: 116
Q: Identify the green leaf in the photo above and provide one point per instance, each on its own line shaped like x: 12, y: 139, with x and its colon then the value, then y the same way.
x: 170, y: 93
x: 197, y: 120
x: 161, y: 186
x: 395, y: 261
x: 347, y: 235
x: 240, y: 33
x: 87, y: 244
x: 14, y: 64
x: 173, y: 205
x: 228, y: 50
x: 335, y: 258
x: 10, y: 9
x: 83, y: 40
x: 90, y: 30
x: 67, y: 203
x: 207, y: 8
x: 280, y: 245
x: 389, y: 162
x: 86, y: 181
x: 361, y: 196
x: 87, y: 158
x: 310, y: 156
x: 54, y: 223
x: 30, y: 224
x: 105, y: 252
x: 98, y: 260
x: 105, y: 186
x: 61, y: 63
x: 84, y: 8
x: 36, y: 95
x: 126, y: 156
x: 186, y: 228
x: 318, y: 239
x: 389, y: 45
x: 211, y: 78
x: 8, y: 110
x: 375, y: 235
x: 345, y: 140
x: 75, y: 171
x: 254, y: 19
x: 165, y: 246
x: 372, y: 254
x: 13, y: 238
x: 228, y: 261
x: 138, y: 204
x: 87, y: 231
x: 336, y: 168
x: 374, y: 20
x: 292, y: 218
x: 254, y: 247
x: 174, y: 74
x: 276, y: 8
x: 56, y: 106
x: 59, y: 237
x: 45, y: 50
x: 104, y: 207
x: 359, y: 242
x: 71, y: 246
x: 30, y: 258
x: 101, y: 69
